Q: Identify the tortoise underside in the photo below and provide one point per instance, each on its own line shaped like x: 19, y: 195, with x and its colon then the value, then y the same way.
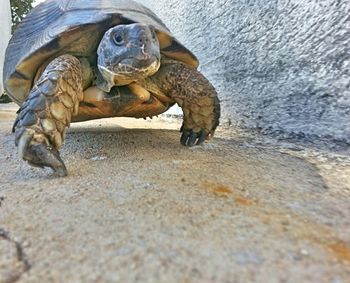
x: 121, y: 102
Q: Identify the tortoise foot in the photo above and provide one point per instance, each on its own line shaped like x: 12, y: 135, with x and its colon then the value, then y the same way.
x: 39, y: 153
x: 191, y: 138
x: 193, y: 93
x: 46, y: 113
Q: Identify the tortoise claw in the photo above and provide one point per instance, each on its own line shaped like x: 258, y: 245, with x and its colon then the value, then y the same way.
x: 202, y: 137
x: 190, y: 138
x: 41, y: 155
x: 184, y: 136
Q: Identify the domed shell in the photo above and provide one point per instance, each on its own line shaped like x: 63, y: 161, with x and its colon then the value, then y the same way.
x: 74, y: 27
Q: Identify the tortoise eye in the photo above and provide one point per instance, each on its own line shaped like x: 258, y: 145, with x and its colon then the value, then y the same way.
x: 154, y: 35
x: 153, y: 32
x: 118, y: 39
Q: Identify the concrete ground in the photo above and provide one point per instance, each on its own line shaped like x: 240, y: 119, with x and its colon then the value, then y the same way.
x: 139, y: 207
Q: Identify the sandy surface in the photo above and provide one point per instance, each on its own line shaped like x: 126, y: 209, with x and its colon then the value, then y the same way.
x: 139, y: 207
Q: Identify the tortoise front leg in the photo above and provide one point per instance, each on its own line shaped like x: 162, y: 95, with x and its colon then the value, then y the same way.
x: 193, y: 93
x: 42, y: 119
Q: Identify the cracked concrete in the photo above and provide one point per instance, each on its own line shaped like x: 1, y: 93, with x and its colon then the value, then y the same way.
x: 13, y: 261
x: 139, y: 207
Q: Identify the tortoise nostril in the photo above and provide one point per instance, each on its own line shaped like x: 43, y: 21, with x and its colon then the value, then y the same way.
x: 143, y: 41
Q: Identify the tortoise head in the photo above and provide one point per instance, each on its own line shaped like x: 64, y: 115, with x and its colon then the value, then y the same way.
x: 128, y: 53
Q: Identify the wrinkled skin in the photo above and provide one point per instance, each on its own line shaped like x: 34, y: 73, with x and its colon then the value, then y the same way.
x: 128, y: 53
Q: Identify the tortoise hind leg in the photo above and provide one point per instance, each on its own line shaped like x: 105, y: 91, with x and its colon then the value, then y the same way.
x: 42, y: 119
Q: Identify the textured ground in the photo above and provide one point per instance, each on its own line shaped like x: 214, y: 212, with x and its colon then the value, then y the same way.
x: 139, y: 207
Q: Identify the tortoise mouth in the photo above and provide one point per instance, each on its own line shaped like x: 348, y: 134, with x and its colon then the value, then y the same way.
x: 128, y: 71
x: 134, y: 67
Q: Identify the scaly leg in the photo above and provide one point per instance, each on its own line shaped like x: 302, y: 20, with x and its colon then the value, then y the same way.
x: 193, y: 93
x: 43, y: 117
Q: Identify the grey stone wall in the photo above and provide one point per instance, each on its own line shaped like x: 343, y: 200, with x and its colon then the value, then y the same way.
x: 281, y: 66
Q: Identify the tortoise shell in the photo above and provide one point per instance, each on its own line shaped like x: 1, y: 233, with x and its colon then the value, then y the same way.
x: 74, y: 27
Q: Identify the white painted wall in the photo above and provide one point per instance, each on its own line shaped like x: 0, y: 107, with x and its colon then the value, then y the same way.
x: 5, y: 33
x: 37, y: 2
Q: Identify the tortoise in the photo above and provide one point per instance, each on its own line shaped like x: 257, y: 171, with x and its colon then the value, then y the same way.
x: 75, y: 60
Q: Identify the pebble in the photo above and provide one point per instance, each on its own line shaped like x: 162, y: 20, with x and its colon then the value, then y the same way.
x: 98, y: 158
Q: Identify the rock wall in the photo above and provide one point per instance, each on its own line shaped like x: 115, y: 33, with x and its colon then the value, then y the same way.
x: 281, y: 67
x: 5, y: 31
